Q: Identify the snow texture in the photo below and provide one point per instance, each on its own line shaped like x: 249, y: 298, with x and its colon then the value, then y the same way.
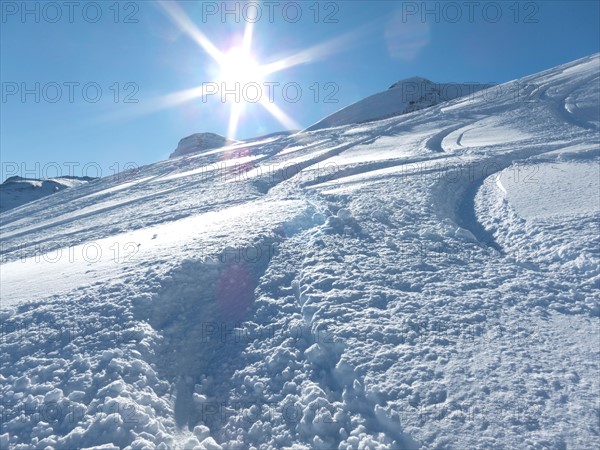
x: 429, y: 280
x: 17, y: 191
x: 405, y: 96
x: 198, y: 142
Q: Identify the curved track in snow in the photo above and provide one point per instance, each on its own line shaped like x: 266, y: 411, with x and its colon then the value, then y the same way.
x: 434, y: 143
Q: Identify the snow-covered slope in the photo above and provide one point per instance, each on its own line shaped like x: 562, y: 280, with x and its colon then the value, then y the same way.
x: 17, y: 191
x: 198, y: 142
x: 430, y: 280
x: 409, y: 95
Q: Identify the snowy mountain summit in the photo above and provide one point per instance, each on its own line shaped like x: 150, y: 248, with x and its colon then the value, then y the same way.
x: 402, y: 97
x: 410, y: 81
x: 429, y: 280
x: 198, y: 142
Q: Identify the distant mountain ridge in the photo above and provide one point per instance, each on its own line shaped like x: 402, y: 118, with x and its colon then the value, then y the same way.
x: 16, y: 190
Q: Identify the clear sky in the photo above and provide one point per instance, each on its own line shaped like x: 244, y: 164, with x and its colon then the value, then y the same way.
x: 90, y: 86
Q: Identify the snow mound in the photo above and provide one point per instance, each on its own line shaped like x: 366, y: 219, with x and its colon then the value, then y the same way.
x: 17, y: 191
x: 405, y: 96
x: 200, y: 141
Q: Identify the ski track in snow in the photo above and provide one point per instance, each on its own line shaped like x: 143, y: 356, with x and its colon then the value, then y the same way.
x: 364, y: 286
x: 435, y: 142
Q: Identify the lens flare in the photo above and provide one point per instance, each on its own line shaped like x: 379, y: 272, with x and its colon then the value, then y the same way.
x: 238, y: 65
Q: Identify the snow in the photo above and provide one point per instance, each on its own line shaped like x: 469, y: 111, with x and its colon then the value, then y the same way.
x: 405, y: 96
x: 428, y: 280
x: 102, y: 259
x: 543, y: 190
x: 482, y: 134
x: 17, y: 191
x: 198, y: 142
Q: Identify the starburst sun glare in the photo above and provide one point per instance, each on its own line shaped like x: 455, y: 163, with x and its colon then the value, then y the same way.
x: 238, y: 65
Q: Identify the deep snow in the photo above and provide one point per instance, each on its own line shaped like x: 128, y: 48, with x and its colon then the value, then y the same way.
x: 425, y: 281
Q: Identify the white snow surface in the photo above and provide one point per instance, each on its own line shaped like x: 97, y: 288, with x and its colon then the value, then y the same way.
x: 200, y: 141
x: 429, y: 280
x: 405, y: 96
x: 17, y: 191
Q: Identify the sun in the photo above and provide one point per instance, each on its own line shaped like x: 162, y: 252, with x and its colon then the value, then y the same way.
x: 239, y: 66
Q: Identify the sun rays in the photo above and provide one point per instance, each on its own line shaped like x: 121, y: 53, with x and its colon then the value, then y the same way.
x: 237, y: 68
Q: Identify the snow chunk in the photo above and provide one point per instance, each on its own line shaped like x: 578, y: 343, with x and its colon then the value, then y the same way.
x: 210, y: 444
x: 201, y: 432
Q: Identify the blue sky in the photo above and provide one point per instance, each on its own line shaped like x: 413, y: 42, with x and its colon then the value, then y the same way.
x: 97, y: 73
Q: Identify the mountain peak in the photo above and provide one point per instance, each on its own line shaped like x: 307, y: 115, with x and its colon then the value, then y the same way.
x: 403, y: 97
x: 411, y: 80
x: 200, y: 141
